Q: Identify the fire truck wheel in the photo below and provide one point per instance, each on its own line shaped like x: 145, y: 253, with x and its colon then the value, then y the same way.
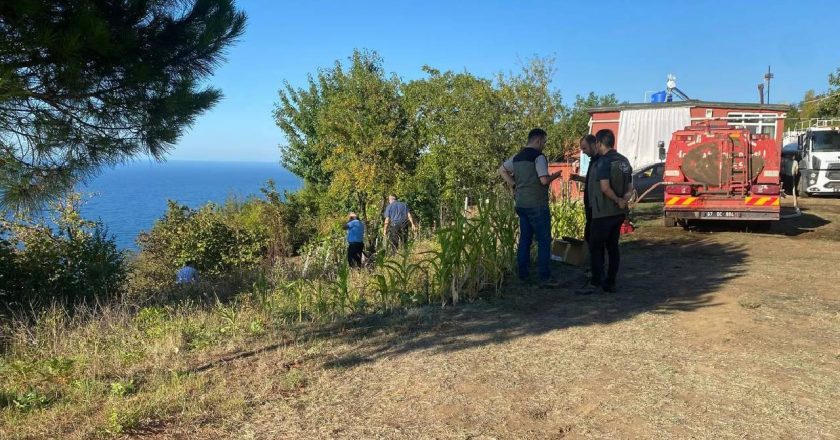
x: 761, y: 226
x: 669, y: 222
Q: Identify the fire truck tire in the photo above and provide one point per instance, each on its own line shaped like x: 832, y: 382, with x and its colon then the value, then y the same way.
x: 669, y: 222
x: 761, y: 226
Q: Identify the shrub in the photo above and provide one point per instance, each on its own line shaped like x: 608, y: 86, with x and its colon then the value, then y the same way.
x: 219, y: 240
x: 290, y: 219
x: 568, y: 218
x: 66, y: 259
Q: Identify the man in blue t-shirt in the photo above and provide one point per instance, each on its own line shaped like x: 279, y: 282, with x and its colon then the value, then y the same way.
x: 187, y: 274
x: 397, y: 219
x: 355, y: 240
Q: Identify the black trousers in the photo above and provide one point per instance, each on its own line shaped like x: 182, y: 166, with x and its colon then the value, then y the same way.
x: 604, y: 237
x: 397, y: 235
x: 354, y: 254
x: 587, y: 229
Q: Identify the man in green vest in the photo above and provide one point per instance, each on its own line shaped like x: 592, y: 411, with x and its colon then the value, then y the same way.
x: 527, y: 174
x: 609, y: 187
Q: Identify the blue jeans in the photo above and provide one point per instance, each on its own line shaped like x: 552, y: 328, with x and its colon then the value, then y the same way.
x: 534, y: 221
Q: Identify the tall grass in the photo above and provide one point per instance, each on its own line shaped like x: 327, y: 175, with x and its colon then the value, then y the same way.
x: 127, y: 364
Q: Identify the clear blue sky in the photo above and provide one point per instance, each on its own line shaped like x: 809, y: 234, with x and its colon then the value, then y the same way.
x: 719, y: 50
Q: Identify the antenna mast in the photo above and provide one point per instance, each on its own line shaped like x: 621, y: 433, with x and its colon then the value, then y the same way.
x: 767, y: 77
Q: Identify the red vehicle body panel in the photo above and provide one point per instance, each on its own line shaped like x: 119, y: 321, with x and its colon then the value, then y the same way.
x: 732, y: 174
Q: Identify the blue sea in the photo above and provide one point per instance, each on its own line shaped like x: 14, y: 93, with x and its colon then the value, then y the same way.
x: 129, y: 198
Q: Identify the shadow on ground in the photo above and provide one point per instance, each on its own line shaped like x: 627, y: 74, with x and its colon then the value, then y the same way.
x: 804, y: 223
x: 658, y: 276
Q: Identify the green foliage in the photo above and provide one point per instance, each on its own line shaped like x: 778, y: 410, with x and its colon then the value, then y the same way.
x: 459, y: 121
x: 575, y: 121
x: 348, y: 132
x: 219, y: 239
x: 26, y: 400
x: 829, y: 107
x: 71, y: 260
x: 568, y: 218
x: 290, y: 219
x: 86, y: 83
x: 475, y: 251
x: 356, y: 134
x: 529, y: 100
x: 396, y: 281
x: 122, y: 388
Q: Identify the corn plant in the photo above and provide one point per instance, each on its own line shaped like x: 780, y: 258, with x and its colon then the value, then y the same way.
x: 568, y: 218
x: 396, y: 278
x: 473, y: 251
x: 339, y: 290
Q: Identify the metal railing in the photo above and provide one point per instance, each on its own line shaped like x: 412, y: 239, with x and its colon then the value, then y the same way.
x: 805, y: 124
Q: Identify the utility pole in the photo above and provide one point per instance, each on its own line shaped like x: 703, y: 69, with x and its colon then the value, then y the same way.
x: 767, y: 77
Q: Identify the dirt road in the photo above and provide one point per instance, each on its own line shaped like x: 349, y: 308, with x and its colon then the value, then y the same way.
x: 716, y: 334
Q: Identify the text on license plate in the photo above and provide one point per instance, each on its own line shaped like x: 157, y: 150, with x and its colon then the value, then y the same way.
x: 720, y: 214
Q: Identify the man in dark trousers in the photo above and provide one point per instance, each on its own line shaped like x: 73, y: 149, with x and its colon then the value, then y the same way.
x: 355, y: 240
x: 587, y: 147
x: 527, y: 173
x: 397, y: 219
x: 609, y: 187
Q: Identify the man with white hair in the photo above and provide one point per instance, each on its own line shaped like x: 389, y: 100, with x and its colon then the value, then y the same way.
x: 355, y: 239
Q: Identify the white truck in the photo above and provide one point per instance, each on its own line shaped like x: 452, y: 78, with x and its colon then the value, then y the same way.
x: 819, y: 158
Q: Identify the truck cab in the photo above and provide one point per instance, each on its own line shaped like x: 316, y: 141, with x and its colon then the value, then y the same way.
x: 819, y: 165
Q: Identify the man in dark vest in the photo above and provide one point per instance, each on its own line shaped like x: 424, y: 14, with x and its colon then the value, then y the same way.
x: 609, y: 187
x: 527, y: 173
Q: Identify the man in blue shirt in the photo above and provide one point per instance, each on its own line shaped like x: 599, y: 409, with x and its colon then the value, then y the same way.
x: 397, y: 219
x: 355, y: 240
x: 187, y: 274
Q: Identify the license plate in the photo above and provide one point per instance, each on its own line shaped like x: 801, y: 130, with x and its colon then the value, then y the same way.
x: 720, y: 214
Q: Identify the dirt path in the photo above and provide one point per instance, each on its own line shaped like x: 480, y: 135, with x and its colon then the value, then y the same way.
x: 715, y: 335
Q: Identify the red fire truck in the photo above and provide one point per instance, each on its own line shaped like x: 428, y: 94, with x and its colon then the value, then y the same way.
x: 714, y: 171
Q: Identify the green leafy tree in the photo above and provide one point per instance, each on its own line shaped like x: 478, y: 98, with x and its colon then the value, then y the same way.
x: 575, y: 121
x: 810, y: 105
x: 829, y: 106
x: 354, y: 134
x: 349, y: 133
x: 529, y: 101
x: 458, y: 120
x: 87, y: 83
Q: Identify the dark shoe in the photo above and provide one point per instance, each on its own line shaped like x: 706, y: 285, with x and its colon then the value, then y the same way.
x: 589, y: 289
x: 609, y: 287
x: 549, y: 284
